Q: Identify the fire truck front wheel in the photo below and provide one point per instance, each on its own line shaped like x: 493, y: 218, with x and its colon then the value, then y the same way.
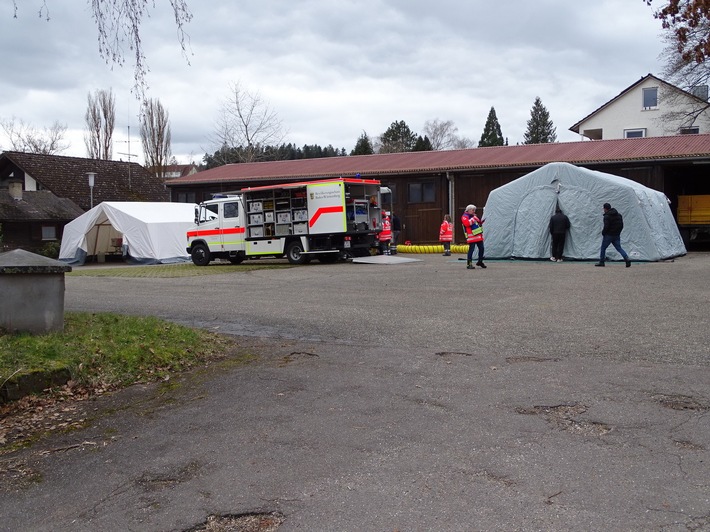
x: 200, y: 255
x: 294, y: 253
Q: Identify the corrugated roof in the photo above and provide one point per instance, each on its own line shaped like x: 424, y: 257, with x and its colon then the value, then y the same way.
x: 530, y: 155
x: 66, y: 178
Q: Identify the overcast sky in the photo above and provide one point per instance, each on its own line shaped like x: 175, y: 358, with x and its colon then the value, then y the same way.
x: 331, y: 70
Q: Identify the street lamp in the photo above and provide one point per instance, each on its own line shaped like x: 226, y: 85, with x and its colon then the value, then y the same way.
x: 91, y: 175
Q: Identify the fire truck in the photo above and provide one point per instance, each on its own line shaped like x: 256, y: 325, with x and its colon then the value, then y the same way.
x: 328, y: 220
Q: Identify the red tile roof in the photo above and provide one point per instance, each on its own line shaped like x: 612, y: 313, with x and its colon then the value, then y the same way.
x: 531, y: 155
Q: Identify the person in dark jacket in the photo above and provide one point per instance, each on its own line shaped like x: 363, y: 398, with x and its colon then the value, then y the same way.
x: 559, y: 224
x: 396, y: 229
x: 611, y: 234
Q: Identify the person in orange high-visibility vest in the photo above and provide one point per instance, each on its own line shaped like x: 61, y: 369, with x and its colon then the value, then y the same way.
x: 474, y: 236
x: 385, y: 235
x: 446, y: 234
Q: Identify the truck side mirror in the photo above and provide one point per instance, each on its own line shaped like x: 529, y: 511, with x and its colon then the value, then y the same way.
x: 197, y: 215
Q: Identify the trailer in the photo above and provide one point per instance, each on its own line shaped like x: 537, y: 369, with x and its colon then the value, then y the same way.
x: 329, y: 220
x: 694, y: 218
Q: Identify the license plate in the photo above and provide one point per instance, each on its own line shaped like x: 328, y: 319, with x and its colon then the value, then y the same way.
x: 346, y: 244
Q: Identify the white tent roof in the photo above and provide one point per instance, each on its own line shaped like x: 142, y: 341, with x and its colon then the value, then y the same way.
x: 517, y: 216
x: 149, y: 232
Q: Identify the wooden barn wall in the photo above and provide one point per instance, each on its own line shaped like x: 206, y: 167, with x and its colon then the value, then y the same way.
x: 421, y: 220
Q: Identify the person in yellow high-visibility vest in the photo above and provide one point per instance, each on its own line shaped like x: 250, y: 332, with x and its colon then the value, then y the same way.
x: 472, y: 228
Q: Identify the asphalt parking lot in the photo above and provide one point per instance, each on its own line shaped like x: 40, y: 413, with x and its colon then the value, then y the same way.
x: 415, y: 396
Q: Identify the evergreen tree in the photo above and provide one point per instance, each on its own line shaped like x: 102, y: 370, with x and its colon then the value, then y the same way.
x: 398, y: 138
x: 363, y: 146
x: 492, y: 135
x: 540, y: 128
x: 423, y: 144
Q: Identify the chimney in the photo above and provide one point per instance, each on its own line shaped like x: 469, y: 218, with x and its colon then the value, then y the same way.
x: 15, y: 189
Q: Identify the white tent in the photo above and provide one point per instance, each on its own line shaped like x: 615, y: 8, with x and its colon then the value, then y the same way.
x: 517, y: 216
x: 143, y: 232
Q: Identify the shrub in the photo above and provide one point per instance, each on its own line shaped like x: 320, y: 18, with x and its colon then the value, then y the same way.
x: 50, y: 249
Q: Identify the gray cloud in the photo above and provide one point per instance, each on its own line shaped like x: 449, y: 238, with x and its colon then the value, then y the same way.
x: 332, y: 70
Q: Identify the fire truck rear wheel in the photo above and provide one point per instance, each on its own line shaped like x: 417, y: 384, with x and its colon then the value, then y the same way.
x: 236, y: 259
x: 200, y: 255
x: 294, y: 253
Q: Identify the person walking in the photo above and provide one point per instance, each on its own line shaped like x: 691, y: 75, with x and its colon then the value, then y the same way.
x: 559, y: 224
x: 474, y: 236
x: 446, y: 234
x: 611, y: 234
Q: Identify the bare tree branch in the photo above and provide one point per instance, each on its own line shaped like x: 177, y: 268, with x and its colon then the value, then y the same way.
x: 119, y: 24
x: 442, y: 134
x: 248, y: 123
x: 100, y: 121
x: 155, y: 136
x: 26, y: 138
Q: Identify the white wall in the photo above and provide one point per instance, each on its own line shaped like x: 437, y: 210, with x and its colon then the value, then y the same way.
x: 628, y: 113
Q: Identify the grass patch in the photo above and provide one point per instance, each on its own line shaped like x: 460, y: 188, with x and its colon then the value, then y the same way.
x: 109, y: 349
x: 172, y: 270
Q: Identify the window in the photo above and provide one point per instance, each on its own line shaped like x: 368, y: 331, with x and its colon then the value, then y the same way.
x: 49, y: 232
x: 208, y: 212
x: 694, y: 130
x: 421, y: 193
x: 650, y: 98
x: 634, y: 133
x: 186, y: 197
x: 231, y: 210
x: 389, y: 198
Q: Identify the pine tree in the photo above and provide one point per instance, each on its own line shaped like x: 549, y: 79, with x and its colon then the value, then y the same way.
x: 423, y: 144
x: 540, y: 127
x: 492, y: 135
x: 398, y: 138
x: 363, y: 146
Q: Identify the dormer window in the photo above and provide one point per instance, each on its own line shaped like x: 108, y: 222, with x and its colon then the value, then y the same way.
x: 650, y: 98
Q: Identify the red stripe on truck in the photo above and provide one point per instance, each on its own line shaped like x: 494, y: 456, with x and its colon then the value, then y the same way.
x: 214, y: 232
x: 324, y: 210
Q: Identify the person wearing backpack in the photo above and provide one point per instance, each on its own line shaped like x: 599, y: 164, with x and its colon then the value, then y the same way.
x: 611, y: 234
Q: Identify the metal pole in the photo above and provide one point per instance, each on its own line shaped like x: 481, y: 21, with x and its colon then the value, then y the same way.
x: 91, y: 176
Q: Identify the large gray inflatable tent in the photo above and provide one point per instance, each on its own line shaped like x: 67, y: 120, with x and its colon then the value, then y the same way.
x: 517, y: 216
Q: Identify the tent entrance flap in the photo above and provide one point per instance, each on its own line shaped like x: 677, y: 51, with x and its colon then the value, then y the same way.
x: 531, y: 237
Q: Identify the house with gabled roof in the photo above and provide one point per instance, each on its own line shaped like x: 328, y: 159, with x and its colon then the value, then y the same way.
x: 427, y: 185
x: 67, y: 177
x: 649, y: 107
x: 39, y: 194
x: 31, y: 220
x: 173, y: 171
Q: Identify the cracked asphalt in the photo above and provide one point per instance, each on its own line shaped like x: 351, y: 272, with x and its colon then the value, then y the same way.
x: 417, y: 396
